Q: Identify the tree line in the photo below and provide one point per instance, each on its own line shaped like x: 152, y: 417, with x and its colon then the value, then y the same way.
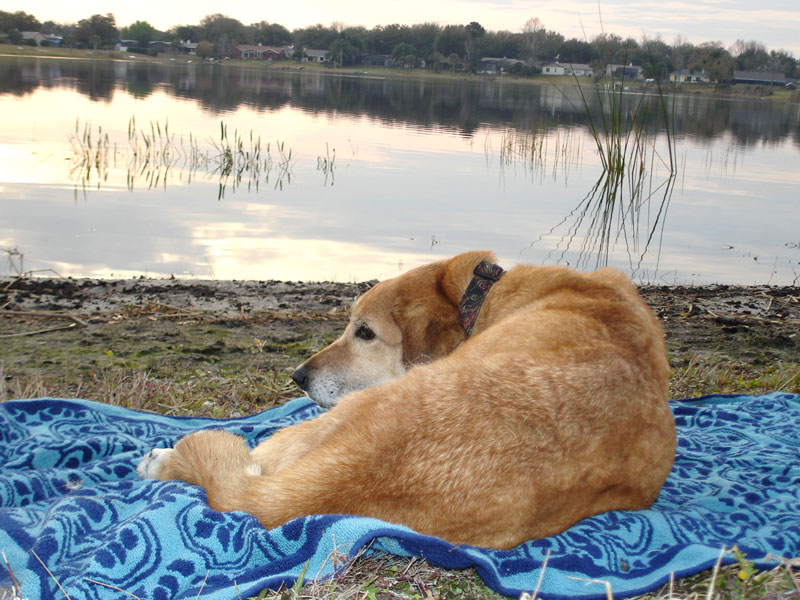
x: 428, y: 44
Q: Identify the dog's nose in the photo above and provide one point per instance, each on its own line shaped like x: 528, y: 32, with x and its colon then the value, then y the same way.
x: 300, y: 377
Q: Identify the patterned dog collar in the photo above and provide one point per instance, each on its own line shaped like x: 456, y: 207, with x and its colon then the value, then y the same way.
x: 485, y: 274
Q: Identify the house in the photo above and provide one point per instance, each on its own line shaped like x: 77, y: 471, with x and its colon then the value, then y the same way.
x: 123, y: 45
x: 188, y: 47
x: 687, y: 76
x: 315, y: 56
x: 256, y: 52
x: 159, y: 46
x: 497, y: 65
x: 629, y: 71
x: 572, y: 69
x: 760, y: 78
x: 41, y: 38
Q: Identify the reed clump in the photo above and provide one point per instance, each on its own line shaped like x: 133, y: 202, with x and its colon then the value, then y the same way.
x: 154, y: 155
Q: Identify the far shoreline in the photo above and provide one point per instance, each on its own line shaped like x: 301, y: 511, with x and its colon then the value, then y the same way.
x: 728, y: 92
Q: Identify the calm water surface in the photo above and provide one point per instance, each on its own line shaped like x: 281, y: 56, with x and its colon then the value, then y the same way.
x: 360, y: 177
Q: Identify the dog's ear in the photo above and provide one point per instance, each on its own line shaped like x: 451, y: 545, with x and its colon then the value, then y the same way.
x: 430, y: 327
x: 458, y: 272
x: 428, y: 314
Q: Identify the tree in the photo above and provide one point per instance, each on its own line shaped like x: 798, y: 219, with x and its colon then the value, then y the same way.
x: 343, y: 51
x: 141, y: 31
x: 270, y: 34
x: 613, y: 50
x: 222, y: 31
x: 681, y: 51
x: 385, y: 38
x: 451, y: 39
x: 530, y: 32
x: 190, y: 33
x: 712, y: 58
x: 750, y: 56
x: 97, y: 30
x: 782, y: 62
x: 18, y: 21
x: 475, y: 30
x: 502, y: 44
x: 576, y: 51
x: 453, y: 60
x: 401, y: 51
x: 316, y: 37
x: 434, y: 59
x: 205, y: 49
x: 423, y: 37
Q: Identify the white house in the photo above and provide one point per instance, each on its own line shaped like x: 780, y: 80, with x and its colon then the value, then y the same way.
x: 686, y: 76
x: 316, y: 56
x: 573, y: 69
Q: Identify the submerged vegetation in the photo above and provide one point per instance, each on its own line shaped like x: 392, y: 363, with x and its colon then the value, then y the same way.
x: 634, y: 139
x: 153, y: 155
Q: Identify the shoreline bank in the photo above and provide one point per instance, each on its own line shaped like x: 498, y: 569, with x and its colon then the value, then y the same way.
x: 228, y: 347
x: 740, y: 92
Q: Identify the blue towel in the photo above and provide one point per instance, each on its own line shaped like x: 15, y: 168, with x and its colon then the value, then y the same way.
x: 69, y: 495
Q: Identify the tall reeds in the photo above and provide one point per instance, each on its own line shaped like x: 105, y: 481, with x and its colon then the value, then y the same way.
x: 635, y: 142
x: 154, y: 155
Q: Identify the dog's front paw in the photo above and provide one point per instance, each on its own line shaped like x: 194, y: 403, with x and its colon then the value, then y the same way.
x: 152, y: 464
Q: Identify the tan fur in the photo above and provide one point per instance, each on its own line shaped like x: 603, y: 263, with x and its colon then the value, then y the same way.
x: 554, y: 410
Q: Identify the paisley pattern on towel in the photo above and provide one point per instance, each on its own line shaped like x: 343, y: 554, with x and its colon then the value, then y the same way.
x: 70, y: 498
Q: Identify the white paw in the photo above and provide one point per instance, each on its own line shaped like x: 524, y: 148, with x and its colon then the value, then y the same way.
x: 152, y: 462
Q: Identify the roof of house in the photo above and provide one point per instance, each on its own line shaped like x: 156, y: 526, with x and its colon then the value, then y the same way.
x: 759, y: 75
x: 258, y: 48
x: 310, y: 52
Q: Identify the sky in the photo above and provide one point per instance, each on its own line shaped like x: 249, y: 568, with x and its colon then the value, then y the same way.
x: 776, y: 23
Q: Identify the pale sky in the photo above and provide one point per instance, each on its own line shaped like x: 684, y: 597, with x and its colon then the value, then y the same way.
x: 776, y: 23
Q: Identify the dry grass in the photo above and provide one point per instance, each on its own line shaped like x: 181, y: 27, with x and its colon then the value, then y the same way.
x: 203, y: 394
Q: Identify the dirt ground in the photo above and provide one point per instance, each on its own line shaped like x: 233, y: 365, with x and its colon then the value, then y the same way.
x: 66, y: 330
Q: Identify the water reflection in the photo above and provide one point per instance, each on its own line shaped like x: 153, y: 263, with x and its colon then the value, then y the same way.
x: 380, y: 170
x: 429, y: 104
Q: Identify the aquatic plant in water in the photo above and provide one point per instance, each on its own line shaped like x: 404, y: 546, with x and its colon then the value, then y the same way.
x: 634, y: 140
x: 153, y: 155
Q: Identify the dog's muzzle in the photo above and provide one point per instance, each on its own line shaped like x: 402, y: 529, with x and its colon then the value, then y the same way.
x: 300, y: 377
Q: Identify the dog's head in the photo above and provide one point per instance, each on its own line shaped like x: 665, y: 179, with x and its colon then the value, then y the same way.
x: 401, y: 322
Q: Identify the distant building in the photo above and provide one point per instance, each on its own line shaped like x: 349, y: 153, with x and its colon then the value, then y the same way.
x: 497, y: 65
x: 53, y: 40
x: 315, y: 56
x: 629, y: 71
x: 687, y: 76
x: 123, y: 45
x: 760, y: 78
x: 573, y: 69
x: 257, y: 52
x: 188, y: 47
x: 159, y: 46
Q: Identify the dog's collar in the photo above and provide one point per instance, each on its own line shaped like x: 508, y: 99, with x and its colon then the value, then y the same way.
x: 485, y: 274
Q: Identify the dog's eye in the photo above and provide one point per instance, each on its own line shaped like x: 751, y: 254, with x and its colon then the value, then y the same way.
x: 364, y: 332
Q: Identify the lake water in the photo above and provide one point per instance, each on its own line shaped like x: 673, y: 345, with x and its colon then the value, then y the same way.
x: 359, y: 177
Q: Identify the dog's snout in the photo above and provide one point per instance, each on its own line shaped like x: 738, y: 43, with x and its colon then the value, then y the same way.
x: 300, y: 377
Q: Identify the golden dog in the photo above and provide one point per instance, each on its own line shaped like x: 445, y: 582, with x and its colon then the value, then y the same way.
x: 553, y: 410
